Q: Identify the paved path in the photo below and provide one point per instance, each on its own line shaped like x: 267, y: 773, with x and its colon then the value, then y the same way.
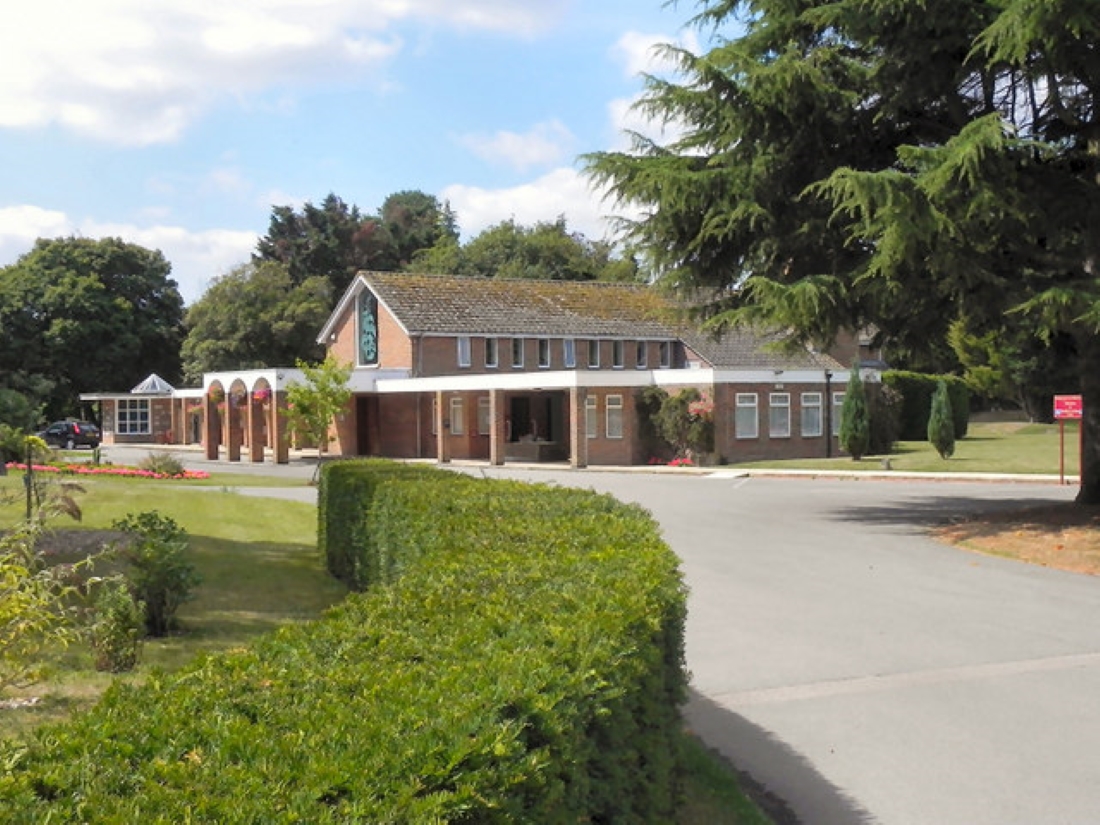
x: 864, y: 673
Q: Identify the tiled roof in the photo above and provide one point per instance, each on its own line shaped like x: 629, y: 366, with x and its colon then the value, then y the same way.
x: 746, y: 349
x: 446, y: 305
x: 450, y: 305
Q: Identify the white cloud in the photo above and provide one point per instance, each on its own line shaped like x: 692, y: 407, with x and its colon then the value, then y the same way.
x: 138, y: 73
x: 196, y: 256
x: 561, y: 192
x: 545, y: 144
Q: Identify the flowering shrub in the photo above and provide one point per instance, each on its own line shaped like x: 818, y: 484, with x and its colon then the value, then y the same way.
x: 216, y: 394
x: 681, y: 462
x: 105, y: 470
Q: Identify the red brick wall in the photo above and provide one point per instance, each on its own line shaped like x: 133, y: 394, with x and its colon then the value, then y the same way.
x: 395, y: 349
x: 764, y: 447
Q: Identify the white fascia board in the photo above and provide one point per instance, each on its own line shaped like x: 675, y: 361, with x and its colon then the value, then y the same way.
x: 276, y: 377
x: 547, y: 380
x: 357, y: 285
x: 771, y: 376
x: 365, y: 379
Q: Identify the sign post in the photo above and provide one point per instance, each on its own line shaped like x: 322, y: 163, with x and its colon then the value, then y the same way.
x: 1068, y: 407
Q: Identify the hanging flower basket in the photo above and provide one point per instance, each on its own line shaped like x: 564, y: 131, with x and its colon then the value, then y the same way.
x: 262, y: 395
x: 216, y: 394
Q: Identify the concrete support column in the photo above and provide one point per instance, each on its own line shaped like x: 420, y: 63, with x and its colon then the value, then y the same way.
x: 498, y: 433
x: 578, y: 432
x: 442, y: 451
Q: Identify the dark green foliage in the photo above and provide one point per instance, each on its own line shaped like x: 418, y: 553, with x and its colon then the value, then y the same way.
x: 885, y: 412
x: 17, y: 411
x: 545, y: 251
x: 855, y: 418
x: 916, y: 391
x: 647, y: 404
x: 82, y: 315
x: 526, y: 667
x: 255, y: 316
x: 941, y: 426
x: 117, y: 628
x: 686, y: 422
x: 158, y: 570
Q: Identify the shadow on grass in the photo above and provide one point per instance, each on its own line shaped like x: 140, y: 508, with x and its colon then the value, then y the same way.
x: 781, y: 781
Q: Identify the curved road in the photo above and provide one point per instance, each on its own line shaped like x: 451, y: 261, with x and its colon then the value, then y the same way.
x: 864, y: 673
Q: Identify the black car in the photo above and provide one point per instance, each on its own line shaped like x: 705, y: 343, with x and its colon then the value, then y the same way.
x: 71, y: 434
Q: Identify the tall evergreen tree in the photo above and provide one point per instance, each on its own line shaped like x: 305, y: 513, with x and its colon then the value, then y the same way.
x: 855, y: 418
x: 854, y: 162
x: 941, y: 424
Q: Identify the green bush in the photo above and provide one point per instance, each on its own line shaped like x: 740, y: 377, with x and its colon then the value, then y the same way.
x: 526, y: 666
x: 855, y: 418
x: 916, y: 392
x: 161, y: 463
x: 117, y: 627
x: 160, y: 575
x: 941, y: 426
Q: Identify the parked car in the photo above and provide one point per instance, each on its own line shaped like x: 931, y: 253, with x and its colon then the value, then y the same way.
x: 71, y: 434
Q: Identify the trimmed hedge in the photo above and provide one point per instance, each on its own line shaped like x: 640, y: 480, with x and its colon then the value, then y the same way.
x: 527, y: 666
x: 916, y: 390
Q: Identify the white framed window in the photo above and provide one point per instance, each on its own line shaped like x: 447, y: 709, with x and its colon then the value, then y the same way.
x: 491, y: 352
x: 544, y: 353
x: 641, y: 355
x: 463, y: 343
x: 838, y: 408
x: 569, y: 353
x: 458, y: 416
x: 591, y: 417
x: 483, y: 417
x: 666, y: 354
x: 133, y: 417
x: 517, y: 353
x: 593, y: 354
x: 617, y: 355
x: 746, y: 422
x: 614, y: 413
x: 811, y: 414
x: 779, y: 415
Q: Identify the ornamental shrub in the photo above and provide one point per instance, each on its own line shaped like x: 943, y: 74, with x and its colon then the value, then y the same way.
x: 160, y: 575
x: 117, y: 627
x: 855, y: 419
x: 161, y: 463
x: 941, y: 425
x: 916, y: 391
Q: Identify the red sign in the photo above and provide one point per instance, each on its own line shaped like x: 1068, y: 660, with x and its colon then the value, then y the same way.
x: 1067, y: 406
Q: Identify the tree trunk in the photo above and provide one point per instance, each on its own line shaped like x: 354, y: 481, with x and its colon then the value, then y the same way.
x: 1088, y: 352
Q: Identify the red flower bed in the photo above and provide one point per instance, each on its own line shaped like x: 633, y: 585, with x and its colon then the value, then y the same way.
x: 105, y: 470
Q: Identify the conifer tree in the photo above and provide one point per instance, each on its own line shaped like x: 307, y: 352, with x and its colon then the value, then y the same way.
x: 855, y: 418
x: 941, y: 424
x: 844, y: 163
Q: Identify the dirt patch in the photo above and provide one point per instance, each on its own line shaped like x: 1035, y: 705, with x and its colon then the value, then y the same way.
x: 1062, y: 536
x: 75, y: 545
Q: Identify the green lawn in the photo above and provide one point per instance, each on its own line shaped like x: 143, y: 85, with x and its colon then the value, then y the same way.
x: 987, y: 448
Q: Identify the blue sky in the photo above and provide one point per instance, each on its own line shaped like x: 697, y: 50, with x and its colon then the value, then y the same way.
x: 178, y: 124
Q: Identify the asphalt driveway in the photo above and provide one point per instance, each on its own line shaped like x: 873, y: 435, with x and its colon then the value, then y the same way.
x: 865, y: 673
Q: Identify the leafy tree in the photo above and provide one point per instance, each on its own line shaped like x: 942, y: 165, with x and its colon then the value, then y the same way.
x: 333, y: 241
x: 547, y: 250
x: 855, y: 418
x: 313, y: 406
x: 78, y: 315
x: 416, y: 221
x: 941, y: 423
x: 877, y: 161
x: 254, y: 316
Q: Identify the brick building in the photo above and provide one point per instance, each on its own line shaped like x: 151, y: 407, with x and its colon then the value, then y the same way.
x: 495, y: 369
